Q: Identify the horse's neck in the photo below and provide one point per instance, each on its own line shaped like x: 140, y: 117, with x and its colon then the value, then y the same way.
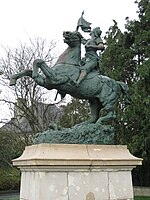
x: 70, y: 56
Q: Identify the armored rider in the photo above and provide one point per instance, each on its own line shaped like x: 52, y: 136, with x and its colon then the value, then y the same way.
x: 92, y: 59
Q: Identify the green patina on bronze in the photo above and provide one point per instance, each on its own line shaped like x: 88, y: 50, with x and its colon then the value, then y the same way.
x: 84, y: 134
x: 80, y: 79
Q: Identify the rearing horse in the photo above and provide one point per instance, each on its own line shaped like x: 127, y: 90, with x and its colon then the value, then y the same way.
x: 100, y: 91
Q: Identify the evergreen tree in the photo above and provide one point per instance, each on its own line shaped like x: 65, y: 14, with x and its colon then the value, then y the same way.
x: 139, y: 31
x: 126, y: 58
x: 74, y: 112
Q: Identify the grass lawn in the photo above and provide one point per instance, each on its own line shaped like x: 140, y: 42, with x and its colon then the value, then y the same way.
x: 9, y: 198
x: 141, y: 198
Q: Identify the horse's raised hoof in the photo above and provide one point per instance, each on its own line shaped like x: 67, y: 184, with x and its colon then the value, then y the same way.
x: 38, y: 62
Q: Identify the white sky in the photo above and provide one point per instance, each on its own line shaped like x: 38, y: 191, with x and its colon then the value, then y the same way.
x: 21, y: 19
x: 24, y: 19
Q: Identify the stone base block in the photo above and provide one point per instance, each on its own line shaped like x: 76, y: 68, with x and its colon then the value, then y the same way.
x: 76, y: 172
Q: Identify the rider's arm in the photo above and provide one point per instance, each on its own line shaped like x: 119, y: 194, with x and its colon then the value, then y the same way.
x: 98, y: 45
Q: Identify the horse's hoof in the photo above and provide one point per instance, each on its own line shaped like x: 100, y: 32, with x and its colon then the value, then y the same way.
x: 38, y: 62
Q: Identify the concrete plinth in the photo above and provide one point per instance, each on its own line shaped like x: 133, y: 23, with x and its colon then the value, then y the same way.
x: 76, y: 172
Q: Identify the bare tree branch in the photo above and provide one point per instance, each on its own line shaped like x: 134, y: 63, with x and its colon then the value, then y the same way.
x: 26, y: 91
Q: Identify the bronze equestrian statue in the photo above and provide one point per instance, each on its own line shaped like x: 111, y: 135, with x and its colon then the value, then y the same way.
x: 102, y: 92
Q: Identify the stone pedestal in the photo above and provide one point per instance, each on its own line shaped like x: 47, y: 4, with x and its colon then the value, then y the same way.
x: 76, y: 172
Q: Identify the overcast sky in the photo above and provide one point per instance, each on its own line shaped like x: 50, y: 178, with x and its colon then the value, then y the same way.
x: 24, y: 19
x: 21, y: 19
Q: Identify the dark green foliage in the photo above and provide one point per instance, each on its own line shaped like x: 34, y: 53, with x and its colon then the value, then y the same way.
x: 75, y: 112
x: 9, y: 179
x: 118, y: 62
x: 11, y: 147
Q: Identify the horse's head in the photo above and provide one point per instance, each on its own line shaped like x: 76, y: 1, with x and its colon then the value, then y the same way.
x: 72, y: 54
x: 72, y: 38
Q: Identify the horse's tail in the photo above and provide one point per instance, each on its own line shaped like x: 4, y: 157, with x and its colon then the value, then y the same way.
x: 126, y: 92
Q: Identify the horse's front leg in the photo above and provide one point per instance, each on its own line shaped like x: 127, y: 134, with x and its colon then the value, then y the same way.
x: 13, y: 78
x: 36, y: 65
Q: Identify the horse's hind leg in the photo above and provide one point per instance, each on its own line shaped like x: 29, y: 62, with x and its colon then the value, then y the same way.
x: 108, y: 106
x: 108, y: 117
x: 95, y: 107
x: 13, y: 78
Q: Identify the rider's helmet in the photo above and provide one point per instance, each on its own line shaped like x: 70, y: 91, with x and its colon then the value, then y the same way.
x: 96, y: 31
